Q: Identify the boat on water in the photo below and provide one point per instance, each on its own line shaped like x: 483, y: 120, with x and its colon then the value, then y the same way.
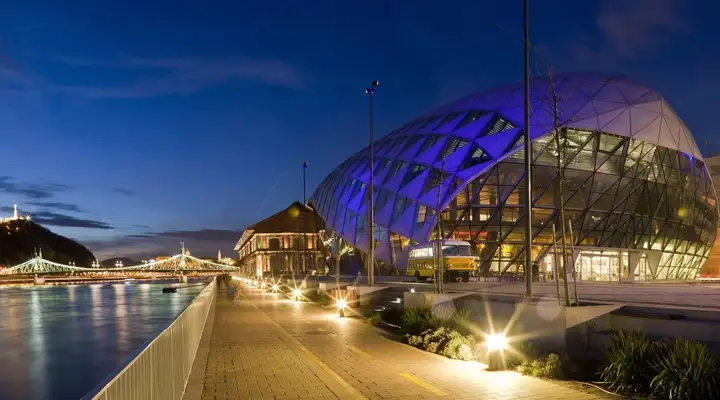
x: 130, y: 281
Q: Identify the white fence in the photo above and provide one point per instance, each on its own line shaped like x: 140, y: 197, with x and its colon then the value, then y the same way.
x: 161, y: 369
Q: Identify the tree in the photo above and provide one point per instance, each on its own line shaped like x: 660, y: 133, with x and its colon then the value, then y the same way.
x: 338, y: 248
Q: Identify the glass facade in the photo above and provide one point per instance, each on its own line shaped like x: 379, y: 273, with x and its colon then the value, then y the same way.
x: 619, y: 193
x: 635, y: 188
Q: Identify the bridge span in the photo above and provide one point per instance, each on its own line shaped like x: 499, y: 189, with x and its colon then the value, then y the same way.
x: 179, y: 264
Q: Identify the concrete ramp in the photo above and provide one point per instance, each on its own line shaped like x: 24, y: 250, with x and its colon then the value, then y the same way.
x: 578, y: 315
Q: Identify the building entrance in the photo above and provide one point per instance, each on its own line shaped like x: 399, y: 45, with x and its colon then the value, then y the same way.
x: 599, y: 265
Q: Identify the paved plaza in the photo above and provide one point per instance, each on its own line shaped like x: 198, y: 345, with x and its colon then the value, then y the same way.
x: 681, y: 294
x: 265, y: 347
x: 666, y: 294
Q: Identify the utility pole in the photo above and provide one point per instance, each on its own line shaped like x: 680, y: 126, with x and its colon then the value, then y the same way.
x: 528, y: 154
x: 371, y: 201
x: 560, y: 148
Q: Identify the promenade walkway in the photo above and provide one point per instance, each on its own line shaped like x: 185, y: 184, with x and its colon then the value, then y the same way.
x: 251, y: 358
x: 263, y: 347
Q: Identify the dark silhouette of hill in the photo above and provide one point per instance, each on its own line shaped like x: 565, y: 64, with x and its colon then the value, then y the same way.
x: 127, y: 262
x: 20, y: 239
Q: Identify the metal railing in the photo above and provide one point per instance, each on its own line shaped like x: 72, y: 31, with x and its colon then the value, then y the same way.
x: 161, y: 369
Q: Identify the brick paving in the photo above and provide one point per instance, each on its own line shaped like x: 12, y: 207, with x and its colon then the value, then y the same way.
x: 251, y: 358
x: 264, y: 347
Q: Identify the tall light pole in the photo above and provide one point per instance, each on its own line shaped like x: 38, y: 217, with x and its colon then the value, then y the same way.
x: 305, y: 165
x: 304, y: 217
x: 371, y: 203
x: 528, y: 155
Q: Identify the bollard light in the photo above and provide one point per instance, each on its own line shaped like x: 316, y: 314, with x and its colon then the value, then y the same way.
x: 341, y: 305
x: 496, y: 345
x: 296, y: 294
x: 496, y: 342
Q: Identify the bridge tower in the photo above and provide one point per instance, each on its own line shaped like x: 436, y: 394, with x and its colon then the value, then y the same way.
x: 181, y: 264
x: 36, y: 262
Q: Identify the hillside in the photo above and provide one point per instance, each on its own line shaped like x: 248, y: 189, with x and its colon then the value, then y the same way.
x: 19, y: 240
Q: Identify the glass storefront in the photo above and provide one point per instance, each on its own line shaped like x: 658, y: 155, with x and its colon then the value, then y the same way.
x: 600, y: 266
x: 603, y: 265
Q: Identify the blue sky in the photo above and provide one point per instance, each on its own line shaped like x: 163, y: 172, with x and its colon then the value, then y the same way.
x: 131, y: 126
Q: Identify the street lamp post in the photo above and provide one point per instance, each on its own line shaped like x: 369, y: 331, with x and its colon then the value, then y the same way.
x: 371, y: 201
x: 304, y: 217
x: 528, y: 155
x: 305, y: 165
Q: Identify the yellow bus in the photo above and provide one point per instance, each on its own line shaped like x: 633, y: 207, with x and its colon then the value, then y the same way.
x: 458, y: 260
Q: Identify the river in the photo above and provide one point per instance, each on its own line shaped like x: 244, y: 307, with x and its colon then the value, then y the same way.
x: 58, y: 342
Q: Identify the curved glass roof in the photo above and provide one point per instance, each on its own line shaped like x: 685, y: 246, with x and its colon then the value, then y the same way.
x: 456, y: 143
x: 611, y: 104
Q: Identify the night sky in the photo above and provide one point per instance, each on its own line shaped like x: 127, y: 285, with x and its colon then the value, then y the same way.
x: 133, y: 125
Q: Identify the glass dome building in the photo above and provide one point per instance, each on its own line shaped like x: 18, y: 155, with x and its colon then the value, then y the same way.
x: 636, y: 189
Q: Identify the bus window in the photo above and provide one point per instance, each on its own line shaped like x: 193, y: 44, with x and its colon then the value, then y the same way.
x: 457, y: 251
x: 421, y: 253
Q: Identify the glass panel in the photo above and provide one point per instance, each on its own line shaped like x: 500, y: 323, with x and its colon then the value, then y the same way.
x: 620, y: 193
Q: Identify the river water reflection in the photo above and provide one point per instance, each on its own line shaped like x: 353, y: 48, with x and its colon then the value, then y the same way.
x: 58, y: 342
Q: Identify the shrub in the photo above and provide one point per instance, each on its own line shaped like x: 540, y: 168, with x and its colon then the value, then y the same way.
x: 415, y: 321
x: 524, y: 352
x: 415, y: 341
x: 375, y: 319
x: 550, y: 367
x: 459, y: 347
x: 434, y: 339
x: 628, y: 361
x: 445, y: 341
x: 442, y: 316
x: 461, y: 321
x: 685, y: 370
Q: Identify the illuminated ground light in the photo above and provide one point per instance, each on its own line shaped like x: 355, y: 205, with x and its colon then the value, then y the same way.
x: 341, y: 305
x: 497, y: 342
